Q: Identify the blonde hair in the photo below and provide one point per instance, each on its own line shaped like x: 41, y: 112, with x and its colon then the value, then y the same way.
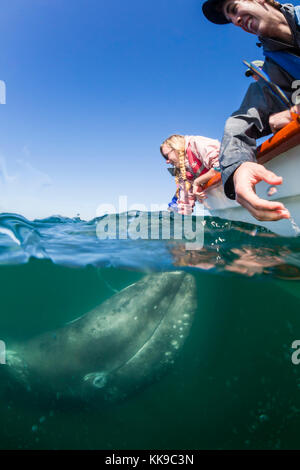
x: 177, y: 142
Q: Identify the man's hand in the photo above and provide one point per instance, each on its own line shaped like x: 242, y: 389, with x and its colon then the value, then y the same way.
x: 245, y: 178
x: 279, y: 120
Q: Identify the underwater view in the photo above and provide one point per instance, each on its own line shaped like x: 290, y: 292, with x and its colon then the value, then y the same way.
x: 143, y: 344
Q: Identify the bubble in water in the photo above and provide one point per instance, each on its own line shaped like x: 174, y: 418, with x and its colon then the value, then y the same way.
x: 263, y: 418
x: 271, y: 191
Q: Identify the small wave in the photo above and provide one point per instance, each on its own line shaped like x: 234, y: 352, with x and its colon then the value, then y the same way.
x: 228, y: 247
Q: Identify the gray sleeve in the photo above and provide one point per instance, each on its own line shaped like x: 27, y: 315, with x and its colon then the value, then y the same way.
x: 242, y: 129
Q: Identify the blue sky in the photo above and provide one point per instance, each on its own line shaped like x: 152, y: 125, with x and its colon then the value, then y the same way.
x: 93, y: 87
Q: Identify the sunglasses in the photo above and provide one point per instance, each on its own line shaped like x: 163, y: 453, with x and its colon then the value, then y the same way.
x: 166, y: 156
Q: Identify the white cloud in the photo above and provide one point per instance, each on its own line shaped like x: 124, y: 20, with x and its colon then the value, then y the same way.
x: 4, y: 176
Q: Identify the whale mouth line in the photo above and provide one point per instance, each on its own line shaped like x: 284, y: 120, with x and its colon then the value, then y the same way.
x: 112, y: 371
x: 142, y: 347
x: 103, y: 383
x: 149, y: 338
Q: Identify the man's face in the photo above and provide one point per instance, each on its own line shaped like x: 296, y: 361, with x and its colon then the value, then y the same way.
x: 255, y: 77
x: 255, y: 17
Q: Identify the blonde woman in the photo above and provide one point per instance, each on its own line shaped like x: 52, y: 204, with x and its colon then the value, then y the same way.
x: 196, y: 160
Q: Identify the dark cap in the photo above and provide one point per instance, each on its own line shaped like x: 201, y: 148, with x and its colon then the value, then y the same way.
x: 213, y: 11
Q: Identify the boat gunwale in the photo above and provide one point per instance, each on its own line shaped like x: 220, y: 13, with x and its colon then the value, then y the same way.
x: 285, y: 139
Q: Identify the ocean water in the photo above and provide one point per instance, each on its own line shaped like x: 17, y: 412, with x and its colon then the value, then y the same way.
x: 233, y: 384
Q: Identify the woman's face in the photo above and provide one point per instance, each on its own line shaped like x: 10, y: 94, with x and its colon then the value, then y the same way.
x: 170, y: 155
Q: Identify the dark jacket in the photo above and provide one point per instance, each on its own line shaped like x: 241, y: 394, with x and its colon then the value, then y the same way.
x: 251, y: 121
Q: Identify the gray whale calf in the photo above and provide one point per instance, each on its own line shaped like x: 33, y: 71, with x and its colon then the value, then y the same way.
x: 120, y: 346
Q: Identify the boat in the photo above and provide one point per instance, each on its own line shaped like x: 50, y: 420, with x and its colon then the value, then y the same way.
x: 280, y: 154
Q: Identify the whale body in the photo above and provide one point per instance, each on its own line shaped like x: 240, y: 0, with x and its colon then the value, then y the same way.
x: 127, y: 342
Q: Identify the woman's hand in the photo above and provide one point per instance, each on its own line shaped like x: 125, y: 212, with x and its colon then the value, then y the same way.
x: 200, y: 182
x: 199, y: 192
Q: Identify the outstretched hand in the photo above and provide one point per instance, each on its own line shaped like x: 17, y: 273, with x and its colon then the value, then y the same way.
x: 245, y: 179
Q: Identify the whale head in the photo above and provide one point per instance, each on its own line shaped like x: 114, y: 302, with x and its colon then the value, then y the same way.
x: 127, y: 342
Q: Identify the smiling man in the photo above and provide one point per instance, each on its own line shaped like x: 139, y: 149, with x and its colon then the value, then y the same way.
x: 278, y: 29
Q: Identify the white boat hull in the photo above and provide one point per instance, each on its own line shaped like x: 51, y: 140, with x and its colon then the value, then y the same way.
x: 286, y: 165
